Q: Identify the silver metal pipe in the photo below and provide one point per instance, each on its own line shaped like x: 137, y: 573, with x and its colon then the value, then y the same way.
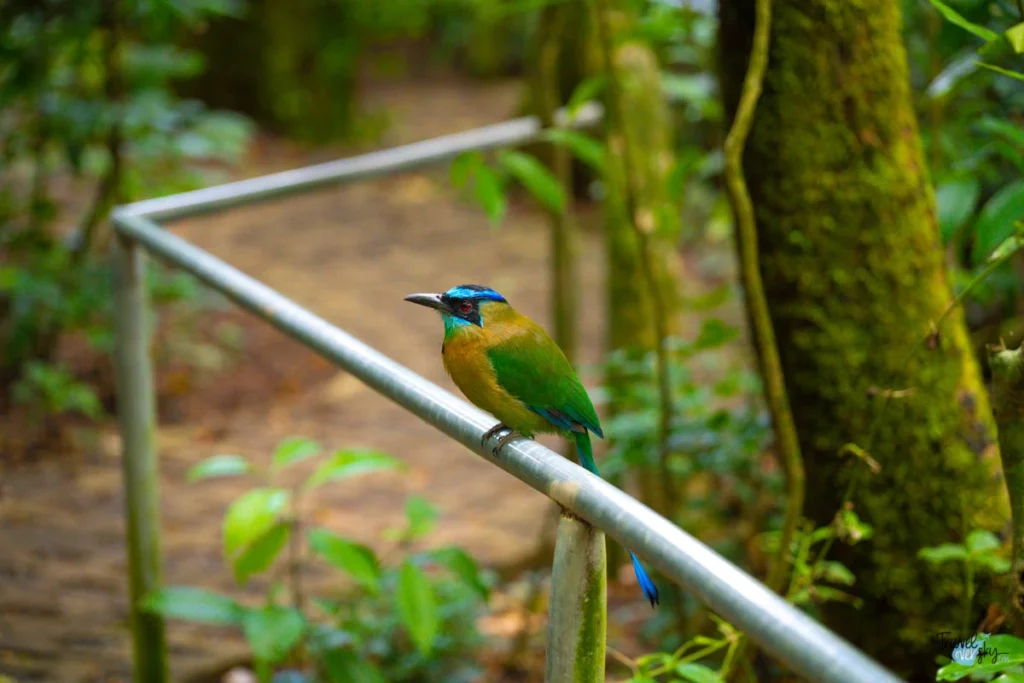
x: 391, y: 160
x: 796, y: 639
x: 136, y: 407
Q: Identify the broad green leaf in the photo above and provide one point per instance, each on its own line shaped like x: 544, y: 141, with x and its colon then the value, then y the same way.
x: 418, y: 607
x: 585, y: 148
x: 421, y: 516
x: 350, y: 463
x: 260, y: 553
x: 586, y: 91
x: 292, y: 450
x: 997, y: 218
x: 994, y: 563
x: 697, y: 673
x: 490, y: 194
x: 462, y: 565
x: 194, y: 604
x: 219, y: 466
x: 653, y: 660
x: 999, y: 70
x: 1006, y: 644
x: 273, y: 631
x: 955, y: 202
x: 954, y: 671
x: 536, y: 178
x: 954, y: 17
x: 251, y: 516
x: 354, y: 559
x: 343, y: 665
x: 1008, y: 131
x: 943, y: 553
x: 981, y: 540
x: 464, y: 167
x: 1010, y: 678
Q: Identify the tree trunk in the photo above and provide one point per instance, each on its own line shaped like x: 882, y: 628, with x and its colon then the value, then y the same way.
x: 646, y: 133
x: 853, y: 271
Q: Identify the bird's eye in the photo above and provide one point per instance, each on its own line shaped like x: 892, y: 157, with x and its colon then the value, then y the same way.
x: 466, y: 306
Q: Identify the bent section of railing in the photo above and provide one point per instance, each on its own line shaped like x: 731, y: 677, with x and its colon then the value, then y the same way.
x: 782, y: 630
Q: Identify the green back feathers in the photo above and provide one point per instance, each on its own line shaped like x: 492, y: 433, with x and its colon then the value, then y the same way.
x: 529, y: 365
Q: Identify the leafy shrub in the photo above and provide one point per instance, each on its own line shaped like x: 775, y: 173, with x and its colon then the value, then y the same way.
x: 411, y: 621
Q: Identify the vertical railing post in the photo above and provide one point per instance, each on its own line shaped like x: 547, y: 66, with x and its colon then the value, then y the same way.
x: 578, y: 614
x: 136, y: 406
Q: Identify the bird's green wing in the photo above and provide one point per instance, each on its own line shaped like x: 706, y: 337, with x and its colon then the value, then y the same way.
x: 531, y: 367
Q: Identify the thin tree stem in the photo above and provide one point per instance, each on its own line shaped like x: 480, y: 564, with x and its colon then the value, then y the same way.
x: 757, y: 303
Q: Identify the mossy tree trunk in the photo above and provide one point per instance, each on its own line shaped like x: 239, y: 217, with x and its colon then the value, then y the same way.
x: 853, y: 273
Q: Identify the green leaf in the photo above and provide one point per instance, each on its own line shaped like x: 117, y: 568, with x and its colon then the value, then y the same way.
x: 955, y: 202
x: 1006, y: 644
x: 995, y: 563
x: 536, y: 178
x: 714, y: 333
x: 697, y: 673
x: 981, y: 540
x: 251, y: 516
x: 194, y: 604
x: 273, y: 631
x: 421, y: 516
x: 1010, y: 678
x: 261, y: 553
x: 418, y: 607
x: 1015, y: 36
x: 838, y: 573
x: 292, y: 450
x: 1001, y: 652
x: 462, y: 565
x: 219, y: 466
x: 1008, y: 131
x: 354, y: 559
x: 999, y: 70
x: 943, y: 553
x: 586, y: 91
x: 490, y: 194
x: 464, y: 167
x: 345, y: 666
x: 954, y: 17
x: 996, y: 221
x: 587, y: 149
x: 1008, y: 246
x: 350, y: 463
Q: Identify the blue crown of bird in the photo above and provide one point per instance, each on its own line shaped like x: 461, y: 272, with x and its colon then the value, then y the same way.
x: 507, y: 364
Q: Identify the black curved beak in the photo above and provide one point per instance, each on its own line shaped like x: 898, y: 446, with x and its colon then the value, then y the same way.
x: 428, y: 300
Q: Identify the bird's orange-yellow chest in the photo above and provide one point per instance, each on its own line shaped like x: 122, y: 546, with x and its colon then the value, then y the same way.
x: 464, y: 354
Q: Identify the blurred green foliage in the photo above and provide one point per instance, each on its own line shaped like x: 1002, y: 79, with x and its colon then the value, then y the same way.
x: 412, y: 620
x: 973, y: 131
x: 89, y: 110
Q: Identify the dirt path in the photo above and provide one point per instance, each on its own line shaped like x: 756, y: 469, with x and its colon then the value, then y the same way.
x: 349, y: 254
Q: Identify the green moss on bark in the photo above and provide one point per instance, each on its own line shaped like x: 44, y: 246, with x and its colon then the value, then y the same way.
x: 854, y: 276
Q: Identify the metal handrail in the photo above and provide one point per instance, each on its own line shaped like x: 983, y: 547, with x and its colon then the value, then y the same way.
x: 777, y: 626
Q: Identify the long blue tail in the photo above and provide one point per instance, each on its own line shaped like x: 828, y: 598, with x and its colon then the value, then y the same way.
x: 586, y: 453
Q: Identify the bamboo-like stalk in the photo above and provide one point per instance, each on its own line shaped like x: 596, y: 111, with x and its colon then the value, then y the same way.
x: 136, y: 405
x: 1008, y: 407
x: 577, y: 617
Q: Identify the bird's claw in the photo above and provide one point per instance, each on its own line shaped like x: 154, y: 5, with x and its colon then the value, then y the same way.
x: 512, y: 434
x: 492, y: 431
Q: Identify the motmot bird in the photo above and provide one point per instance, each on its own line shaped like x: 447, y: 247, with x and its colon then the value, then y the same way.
x: 508, y: 365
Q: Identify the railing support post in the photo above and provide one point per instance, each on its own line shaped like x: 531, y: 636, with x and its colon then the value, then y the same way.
x: 136, y: 406
x: 578, y: 614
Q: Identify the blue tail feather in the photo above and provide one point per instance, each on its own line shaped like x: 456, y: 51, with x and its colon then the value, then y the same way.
x: 586, y: 454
